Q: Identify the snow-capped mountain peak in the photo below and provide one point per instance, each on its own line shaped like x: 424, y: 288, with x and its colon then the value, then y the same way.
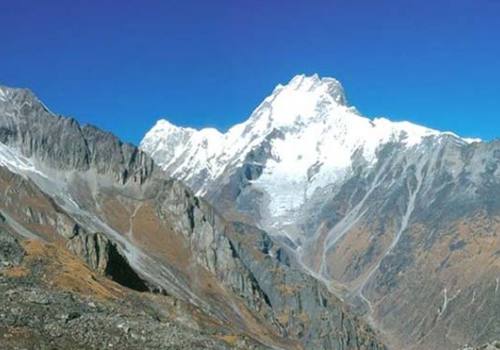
x: 303, y: 98
x: 305, y: 136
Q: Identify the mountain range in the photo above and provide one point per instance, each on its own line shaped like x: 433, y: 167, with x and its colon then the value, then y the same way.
x: 308, y: 226
x: 398, y: 220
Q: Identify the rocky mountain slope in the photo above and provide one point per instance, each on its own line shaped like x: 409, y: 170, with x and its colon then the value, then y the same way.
x: 399, y: 220
x: 52, y: 300
x: 76, y: 198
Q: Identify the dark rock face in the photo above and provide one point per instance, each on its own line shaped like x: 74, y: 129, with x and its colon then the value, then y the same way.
x: 11, y: 252
x: 119, y: 270
x: 155, y: 234
x: 103, y: 256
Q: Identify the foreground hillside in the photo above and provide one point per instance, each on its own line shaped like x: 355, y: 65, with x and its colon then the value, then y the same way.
x: 52, y: 300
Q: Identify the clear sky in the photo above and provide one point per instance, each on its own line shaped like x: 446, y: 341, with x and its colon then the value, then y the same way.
x: 121, y: 65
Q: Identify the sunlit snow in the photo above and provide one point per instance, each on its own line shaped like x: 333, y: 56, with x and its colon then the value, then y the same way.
x: 320, y: 132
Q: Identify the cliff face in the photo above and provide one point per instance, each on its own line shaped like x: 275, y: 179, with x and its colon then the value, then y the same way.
x: 107, y: 203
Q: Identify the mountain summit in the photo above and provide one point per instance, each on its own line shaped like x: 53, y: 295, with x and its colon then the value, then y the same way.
x: 326, y: 88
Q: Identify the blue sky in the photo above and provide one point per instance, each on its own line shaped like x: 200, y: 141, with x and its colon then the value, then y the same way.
x: 121, y: 65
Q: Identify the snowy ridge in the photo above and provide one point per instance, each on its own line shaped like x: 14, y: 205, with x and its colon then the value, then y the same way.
x: 3, y: 94
x: 17, y: 163
x: 319, y: 134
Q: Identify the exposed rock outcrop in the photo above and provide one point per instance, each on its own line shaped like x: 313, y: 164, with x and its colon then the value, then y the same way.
x: 104, y: 257
x: 11, y: 252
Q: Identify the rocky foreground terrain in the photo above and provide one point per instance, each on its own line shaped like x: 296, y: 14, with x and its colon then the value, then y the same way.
x: 52, y: 300
x: 490, y: 346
